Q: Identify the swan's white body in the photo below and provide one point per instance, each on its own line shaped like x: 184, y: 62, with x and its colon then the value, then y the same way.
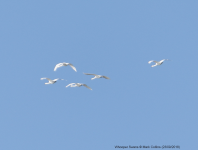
x: 78, y: 85
x: 51, y: 81
x: 97, y: 76
x: 64, y: 64
x: 157, y: 63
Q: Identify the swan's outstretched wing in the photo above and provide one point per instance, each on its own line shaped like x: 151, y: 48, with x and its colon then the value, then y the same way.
x: 152, y: 61
x: 86, y: 86
x: 72, y: 67
x: 58, y: 66
x: 57, y: 79
x: 162, y: 60
x: 71, y: 84
x: 154, y: 65
x: 47, y: 79
x: 90, y: 74
x: 105, y: 77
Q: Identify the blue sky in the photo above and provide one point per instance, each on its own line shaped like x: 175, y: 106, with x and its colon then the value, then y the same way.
x: 140, y: 105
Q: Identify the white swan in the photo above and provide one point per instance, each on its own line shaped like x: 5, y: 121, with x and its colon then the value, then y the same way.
x: 51, y: 81
x: 157, y: 63
x: 64, y: 64
x: 78, y: 85
x: 97, y: 76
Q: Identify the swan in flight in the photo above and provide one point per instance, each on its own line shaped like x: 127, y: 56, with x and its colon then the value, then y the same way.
x: 157, y: 63
x: 51, y: 81
x: 97, y: 76
x: 78, y: 85
x: 64, y: 64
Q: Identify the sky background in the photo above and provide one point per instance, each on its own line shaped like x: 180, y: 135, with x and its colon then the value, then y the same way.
x: 139, y: 105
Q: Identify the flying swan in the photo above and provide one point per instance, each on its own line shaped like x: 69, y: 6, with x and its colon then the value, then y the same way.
x: 78, y: 85
x: 97, y: 76
x: 157, y: 63
x: 51, y: 81
x: 64, y: 64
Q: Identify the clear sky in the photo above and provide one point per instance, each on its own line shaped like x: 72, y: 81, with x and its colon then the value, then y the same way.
x: 139, y: 105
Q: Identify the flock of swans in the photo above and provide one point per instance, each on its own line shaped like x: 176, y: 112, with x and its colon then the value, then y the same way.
x: 73, y: 84
x: 157, y: 63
